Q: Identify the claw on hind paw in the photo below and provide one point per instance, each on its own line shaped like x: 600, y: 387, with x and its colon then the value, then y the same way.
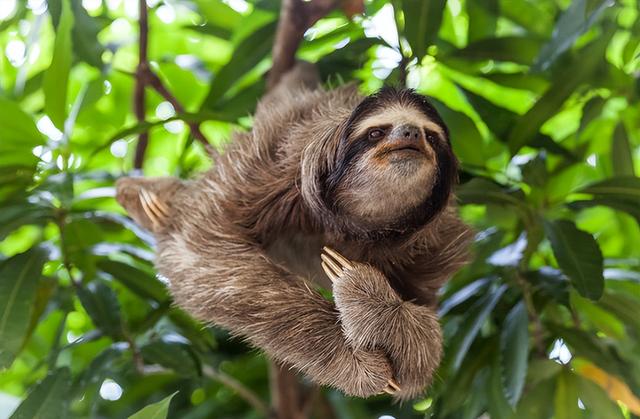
x: 334, y: 263
x: 153, y: 208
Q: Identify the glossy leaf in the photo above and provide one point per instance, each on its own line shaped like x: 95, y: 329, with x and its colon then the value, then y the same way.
x: 101, y: 303
x: 56, y: 78
x: 422, y: 21
x: 579, y: 257
x: 475, y: 318
x: 573, y: 22
x: 514, y: 352
x: 158, y: 410
x: 19, y: 278
x: 48, y: 399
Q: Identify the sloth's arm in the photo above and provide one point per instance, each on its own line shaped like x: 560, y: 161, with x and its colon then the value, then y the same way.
x: 223, y: 278
x: 373, y: 315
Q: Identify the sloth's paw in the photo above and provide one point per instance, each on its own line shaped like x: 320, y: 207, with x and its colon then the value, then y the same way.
x: 360, y: 292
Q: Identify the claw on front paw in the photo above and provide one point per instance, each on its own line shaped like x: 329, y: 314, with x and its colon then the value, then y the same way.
x: 153, y: 207
x: 334, y: 263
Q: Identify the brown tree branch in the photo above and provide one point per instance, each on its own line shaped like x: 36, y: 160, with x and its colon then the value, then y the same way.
x: 146, y: 77
x: 296, y: 16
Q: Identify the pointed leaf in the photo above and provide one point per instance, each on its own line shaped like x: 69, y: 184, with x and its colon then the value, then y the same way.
x: 49, y: 399
x: 579, y: 257
x: 157, y: 410
x: 474, y: 320
x: 56, y: 78
x: 101, y: 303
x: 514, y: 352
x: 621, y: 153
x: 19, y: 277
x: 573, y: 22
x: 422, y: 21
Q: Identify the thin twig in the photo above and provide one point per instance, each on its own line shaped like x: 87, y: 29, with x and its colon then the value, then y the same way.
x: 146, y: 77
x: 139, y: 94
x: 248, y: 395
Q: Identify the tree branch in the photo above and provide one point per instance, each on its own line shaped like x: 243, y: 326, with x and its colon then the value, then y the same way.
x: 146, y: 77
x: 296, y: 16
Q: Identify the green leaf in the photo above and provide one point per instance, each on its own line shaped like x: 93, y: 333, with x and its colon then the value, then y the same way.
x: 483, y: 18
x: 422, y: 19
x: 101, y: 303
x: 537, y: 403
x: 247, y: 54
x: 596, y: 400
x: 19, y: 277
x: 173, y: 355
x: 573, y: 22
x: 565, y: 82
x: 618, y: 187
x: 483, y: 191
x: 474, y: 319
x: 621, y: 152
x: 157, y: 410
x: 498, y: 404
x: 138, y: 281
x: 514, y: 352
x: 516, y: 49
x: 56, y: 78
x: 579, y: 257
x: 18, y: 135
x: 566, y: 399
x: 529, y: 14
x: 84, y: 34
x: 49, y: 399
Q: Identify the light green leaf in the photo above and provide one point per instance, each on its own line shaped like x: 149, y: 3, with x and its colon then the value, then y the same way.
x: 621, y: 152
x: 596, y: 400
x: 422, y: 21
x: 517, y: 49
x: 566, y: 400
x: 573, y: 22
x: 514, y: 352
x: 249, y: 52
x: 579, y: 257
x: 565, y: 82
x: 49, y: 399
x: 157, y: 410
x: 56, y: 77
x: 19, y: 277
x: 18, y: 135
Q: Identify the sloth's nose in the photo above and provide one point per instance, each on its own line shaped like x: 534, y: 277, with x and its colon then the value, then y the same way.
x: 407, y: 132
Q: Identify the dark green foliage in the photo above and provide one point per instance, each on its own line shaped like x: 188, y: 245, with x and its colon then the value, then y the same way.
x: 542, y: 102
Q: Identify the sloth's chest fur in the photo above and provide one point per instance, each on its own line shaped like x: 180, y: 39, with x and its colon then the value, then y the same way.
x: 300, y: 254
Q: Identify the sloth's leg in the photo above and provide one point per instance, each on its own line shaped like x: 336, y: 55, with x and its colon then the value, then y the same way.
x: 148, y: 200
x: 221, y: 278
x: 374, y: 316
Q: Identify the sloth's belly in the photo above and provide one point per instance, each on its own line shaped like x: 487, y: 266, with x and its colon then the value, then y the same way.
x: 300, y: 255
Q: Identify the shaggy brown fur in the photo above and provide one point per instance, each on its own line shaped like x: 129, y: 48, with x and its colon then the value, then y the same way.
x: 241, y: 245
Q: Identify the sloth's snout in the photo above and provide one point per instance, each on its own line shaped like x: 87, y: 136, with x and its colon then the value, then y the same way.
x: 407, y: 132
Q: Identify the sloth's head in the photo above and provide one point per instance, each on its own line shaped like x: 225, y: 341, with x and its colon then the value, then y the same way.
x: 391, y: 168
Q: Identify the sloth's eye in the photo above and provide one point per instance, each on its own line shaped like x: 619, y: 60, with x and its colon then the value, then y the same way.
x: 376, y: 133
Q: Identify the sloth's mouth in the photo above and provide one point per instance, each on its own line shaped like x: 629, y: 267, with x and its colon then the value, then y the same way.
x: 410, y: 148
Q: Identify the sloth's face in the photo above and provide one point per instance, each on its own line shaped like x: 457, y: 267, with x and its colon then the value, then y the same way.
x: 394, y: 162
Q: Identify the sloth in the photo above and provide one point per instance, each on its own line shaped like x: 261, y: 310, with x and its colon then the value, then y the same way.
x: 329, y: 190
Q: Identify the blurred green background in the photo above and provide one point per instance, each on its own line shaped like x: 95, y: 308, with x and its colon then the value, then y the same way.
x: 542, y: 100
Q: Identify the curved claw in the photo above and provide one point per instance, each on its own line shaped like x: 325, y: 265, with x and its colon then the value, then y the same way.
x: 392, y: 387
x: 153, y: 208
x: 334, y: 263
